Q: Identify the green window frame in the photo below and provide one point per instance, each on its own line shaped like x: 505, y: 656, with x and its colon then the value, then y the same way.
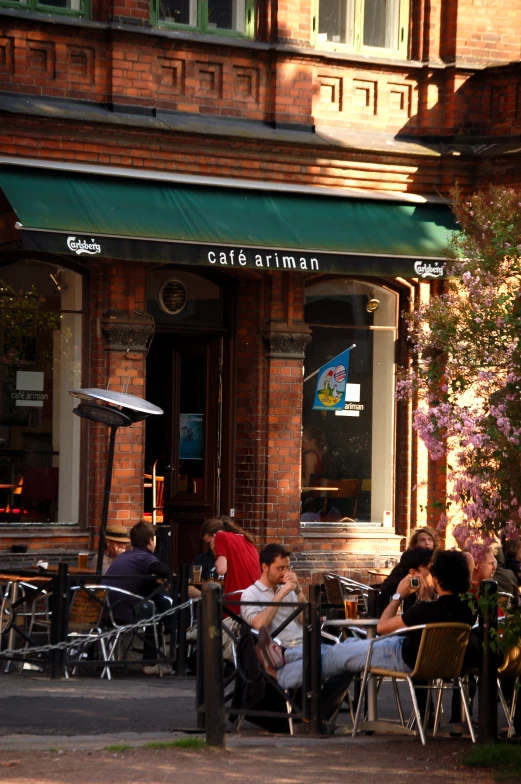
x: 198, y: 16
x: 82, y: 8
x: 345, y: 25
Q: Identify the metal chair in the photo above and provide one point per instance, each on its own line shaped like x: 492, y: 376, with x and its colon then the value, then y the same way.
x: 86, y: 614
x: 510, y: 669
x: 439, y: 661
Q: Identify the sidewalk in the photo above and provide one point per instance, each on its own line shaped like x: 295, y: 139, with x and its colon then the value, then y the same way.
x: 255, y: 760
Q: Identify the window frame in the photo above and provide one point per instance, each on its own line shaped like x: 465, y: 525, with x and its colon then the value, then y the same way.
x: 33, y: 5
x: 357, y: 46
x: 202, y: 21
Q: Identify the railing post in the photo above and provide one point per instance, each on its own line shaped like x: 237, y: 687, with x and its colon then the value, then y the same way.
x: 183, y: 623
x: 59, y: 619
x: 487, y: 686
x: 213, y: 665
x: 199, y: 669
x: 312, y: 662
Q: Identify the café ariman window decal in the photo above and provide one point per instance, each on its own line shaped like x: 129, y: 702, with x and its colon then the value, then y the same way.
x: 40, y: 359
x: 348, y: 447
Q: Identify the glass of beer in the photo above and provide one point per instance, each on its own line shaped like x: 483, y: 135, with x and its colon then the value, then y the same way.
x: 351, y: 607
x: 197, y: 572
x: 83, y: 560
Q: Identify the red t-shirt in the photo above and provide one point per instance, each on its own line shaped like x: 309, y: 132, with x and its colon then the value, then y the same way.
x: 243, y: 561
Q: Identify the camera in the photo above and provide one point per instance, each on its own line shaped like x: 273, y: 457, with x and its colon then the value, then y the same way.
x: 415, y: 582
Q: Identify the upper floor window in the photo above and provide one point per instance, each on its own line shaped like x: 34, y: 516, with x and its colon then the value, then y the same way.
x: 70, y: 7
x: 207, y: 16
x: 377, y: 26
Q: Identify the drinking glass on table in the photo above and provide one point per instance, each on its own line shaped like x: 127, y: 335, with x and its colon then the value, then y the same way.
x: 83, y: 560
x: 351, y: 606
x: 197, y: 573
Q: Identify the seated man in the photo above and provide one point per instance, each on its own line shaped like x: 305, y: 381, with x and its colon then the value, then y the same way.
x: 277, y: 583
x: 116, y: 542
x: 139, y: 571
x: 450, y: 575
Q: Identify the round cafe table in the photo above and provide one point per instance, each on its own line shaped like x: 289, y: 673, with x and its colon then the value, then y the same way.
x: 372, y: 724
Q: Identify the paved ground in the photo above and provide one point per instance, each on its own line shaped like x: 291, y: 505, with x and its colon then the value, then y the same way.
x: 285, y: 760
x: 57, y: 732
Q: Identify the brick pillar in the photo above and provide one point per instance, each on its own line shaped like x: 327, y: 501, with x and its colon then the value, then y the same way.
x: 122, y: 337
x: 285, y: 356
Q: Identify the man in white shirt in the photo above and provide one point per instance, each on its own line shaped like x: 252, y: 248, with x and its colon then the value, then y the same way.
x: 276, y: 584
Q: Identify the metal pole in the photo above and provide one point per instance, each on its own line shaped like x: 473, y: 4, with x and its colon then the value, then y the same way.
x: 59, y: 619
x: 315, y: 661
x: 183, y: 623
x: 106, y: 499
x: 213, y: 665
x: 199, y: 670
x: 487, y: 686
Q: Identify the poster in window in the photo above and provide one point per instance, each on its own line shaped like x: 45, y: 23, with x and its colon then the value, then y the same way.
x: 191, y: 436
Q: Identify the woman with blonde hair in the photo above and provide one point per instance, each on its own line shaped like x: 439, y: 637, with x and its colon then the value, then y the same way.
x: 236, y: 556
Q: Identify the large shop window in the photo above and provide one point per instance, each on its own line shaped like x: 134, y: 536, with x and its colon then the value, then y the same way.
x: 68, y: 7
x: 232, y: 17
x: 41, y: 341
x: 349, y: 408
x: 377, y: 26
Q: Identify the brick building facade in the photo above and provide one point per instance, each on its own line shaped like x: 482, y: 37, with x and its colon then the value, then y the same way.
x: 243, y: 120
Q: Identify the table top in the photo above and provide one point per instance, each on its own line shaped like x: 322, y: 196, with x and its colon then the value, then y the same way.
x: 71, y: 570
x: 353, y: 622
x: 19, y: 578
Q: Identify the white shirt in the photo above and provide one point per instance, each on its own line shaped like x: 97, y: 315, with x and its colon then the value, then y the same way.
x: 258, y: 592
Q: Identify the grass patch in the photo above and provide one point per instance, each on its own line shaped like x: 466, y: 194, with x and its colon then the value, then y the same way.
x: 181, y: 743
x: 118, y: 747
x: 503, y: 758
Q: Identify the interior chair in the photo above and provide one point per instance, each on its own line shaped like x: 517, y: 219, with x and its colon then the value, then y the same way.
x: 341, y: 488
x: 439, y: 663
x: 510, y: 669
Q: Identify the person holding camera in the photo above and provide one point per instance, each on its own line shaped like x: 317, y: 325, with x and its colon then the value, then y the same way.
x: 413, y: 563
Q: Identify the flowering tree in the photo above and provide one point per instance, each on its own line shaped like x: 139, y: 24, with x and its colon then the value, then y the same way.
x: 465, y: 376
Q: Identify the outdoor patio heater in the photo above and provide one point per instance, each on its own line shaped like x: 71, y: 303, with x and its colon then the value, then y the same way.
x: 114, y: 409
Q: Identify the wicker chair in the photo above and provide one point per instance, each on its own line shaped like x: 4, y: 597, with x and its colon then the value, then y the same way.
x: 510, y: 669
x: 439, y: 660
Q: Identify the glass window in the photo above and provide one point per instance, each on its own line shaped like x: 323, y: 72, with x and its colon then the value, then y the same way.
x: 364, y: 24
x: 235, y: 16
x: 41, y: 340
x: 347, y: 453
x: 72, y: 7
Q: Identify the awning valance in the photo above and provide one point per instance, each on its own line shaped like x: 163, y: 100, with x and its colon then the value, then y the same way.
x: 84, y: 215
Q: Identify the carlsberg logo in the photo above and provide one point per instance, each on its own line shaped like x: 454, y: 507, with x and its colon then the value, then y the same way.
x: 425, y: 270
x: 82, y: 246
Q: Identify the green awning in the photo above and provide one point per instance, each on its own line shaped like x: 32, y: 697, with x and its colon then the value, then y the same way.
x: 86, y: 214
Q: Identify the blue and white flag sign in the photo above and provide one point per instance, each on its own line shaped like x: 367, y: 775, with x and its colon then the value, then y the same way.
x: 331, y: 383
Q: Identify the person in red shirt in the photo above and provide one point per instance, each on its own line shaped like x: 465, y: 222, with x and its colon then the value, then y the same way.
x: 236, y: 556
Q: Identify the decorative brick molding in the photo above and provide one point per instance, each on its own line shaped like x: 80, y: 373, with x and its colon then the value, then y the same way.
x: 124, y: 334
x: 287, y: 345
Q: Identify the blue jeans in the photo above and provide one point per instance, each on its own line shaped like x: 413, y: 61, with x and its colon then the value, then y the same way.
x: 348, y: 656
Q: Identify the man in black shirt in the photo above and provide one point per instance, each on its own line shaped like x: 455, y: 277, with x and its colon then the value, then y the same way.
x: 451, y: 578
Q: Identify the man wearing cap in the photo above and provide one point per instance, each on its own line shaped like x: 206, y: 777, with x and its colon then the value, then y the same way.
x: 117, y: 540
